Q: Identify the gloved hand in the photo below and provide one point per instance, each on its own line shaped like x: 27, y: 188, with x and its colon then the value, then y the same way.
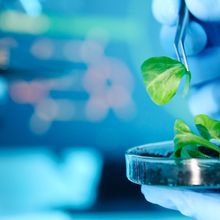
x: 202, y: 44
x: 201, y: 206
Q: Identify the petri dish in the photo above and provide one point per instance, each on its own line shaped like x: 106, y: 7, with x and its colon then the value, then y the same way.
x: 150, y: 165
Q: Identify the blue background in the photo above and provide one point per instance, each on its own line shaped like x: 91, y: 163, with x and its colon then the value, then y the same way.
x: 72, y: 101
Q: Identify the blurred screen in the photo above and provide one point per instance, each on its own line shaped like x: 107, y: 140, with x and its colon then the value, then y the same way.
x: 72, y: 101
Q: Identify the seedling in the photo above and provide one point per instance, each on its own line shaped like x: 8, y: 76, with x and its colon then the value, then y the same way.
x: 162, y: 77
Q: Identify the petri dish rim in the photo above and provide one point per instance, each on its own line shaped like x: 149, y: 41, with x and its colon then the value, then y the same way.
x: 132, y: 152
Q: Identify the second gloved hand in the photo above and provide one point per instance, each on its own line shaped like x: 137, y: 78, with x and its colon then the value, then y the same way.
x: 199, y: 205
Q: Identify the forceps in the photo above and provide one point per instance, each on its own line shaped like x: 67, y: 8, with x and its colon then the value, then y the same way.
x: 180, y: 32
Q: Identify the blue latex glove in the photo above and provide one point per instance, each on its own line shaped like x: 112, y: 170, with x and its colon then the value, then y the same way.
x: 201, y: 206
x: 202, y: 43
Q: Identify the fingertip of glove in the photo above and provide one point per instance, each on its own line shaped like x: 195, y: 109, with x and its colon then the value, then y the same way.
x: 166, y: 11
x: 206, y: 10
x: 196, y: 38
x: 194, y: 42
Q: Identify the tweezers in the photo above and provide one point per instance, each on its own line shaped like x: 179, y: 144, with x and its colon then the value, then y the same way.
x: 180, y: 34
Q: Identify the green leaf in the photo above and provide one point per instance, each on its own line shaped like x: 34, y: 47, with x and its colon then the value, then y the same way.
x: 185, y: 139
x: 186, y: 143
x: 192, y: 151
x: 181, y: 127
x: 208, y: 127
x: 187, y: 83
x: 162, y: 76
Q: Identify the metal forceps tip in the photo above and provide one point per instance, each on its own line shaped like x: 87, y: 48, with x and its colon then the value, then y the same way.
x: 179, y: 37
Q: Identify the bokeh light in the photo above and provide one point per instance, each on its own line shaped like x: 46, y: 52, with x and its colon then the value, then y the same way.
x: 91, y: 51
x: 25, y: 92
x: 20, y: 23
x: 82, y: 169
x: 43, y: 49
x: 38, y: 125
x: 42, y: 183
x: 3, y: 89
x: 110, y: 86
x: 32, y: 7
x: 71, y: 50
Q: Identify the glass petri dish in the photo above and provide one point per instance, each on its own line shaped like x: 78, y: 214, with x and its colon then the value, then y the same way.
x: 150, y: 165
